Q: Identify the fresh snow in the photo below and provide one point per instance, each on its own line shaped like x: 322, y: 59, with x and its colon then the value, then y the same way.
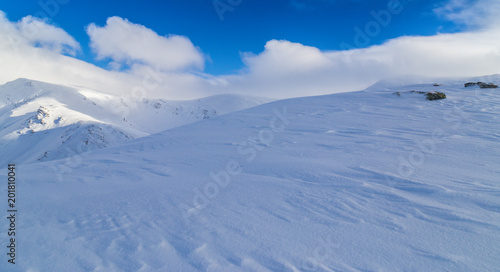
x: 41, y: 122
x: 362, y: 181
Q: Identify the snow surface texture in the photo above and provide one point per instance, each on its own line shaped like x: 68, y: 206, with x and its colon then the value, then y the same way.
x: 363, y: 181
x: 41, y: 121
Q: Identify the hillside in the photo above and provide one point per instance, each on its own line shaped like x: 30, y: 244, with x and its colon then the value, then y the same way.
x: 362, y: 181
x: 41, y: 122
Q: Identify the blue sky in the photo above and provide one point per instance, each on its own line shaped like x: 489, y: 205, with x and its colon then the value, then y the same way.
x: 324, y: 24
x: 184, y: 49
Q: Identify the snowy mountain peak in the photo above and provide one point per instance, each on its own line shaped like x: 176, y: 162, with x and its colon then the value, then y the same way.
x: 82, y: 119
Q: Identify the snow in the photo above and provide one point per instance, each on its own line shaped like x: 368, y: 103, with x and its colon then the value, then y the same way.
x: 42, y: 122
x: 361, y: 181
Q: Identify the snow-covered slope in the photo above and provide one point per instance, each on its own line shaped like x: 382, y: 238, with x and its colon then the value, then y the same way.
x: 40, y: 121
x: 364, y: 181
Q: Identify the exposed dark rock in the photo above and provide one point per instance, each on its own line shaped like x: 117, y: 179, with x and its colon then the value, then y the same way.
x: 483, y: 85
x: 429, y: 95
x: 437, y: 84
x: 435, y: 96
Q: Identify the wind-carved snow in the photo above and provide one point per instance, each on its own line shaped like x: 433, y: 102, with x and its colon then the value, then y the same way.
x: 41, y: 121
x: 363, y: 181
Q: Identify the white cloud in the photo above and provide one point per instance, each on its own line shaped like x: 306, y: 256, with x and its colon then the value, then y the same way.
x: 286, y: 58
x: 471, y: 13
x: 34, y: 32
x: 38, y: 32
x: 128, y: 43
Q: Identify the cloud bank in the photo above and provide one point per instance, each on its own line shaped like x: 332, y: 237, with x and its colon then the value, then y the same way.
x: 287, y: 69
x: 292, y: 69
x: 143, y: 62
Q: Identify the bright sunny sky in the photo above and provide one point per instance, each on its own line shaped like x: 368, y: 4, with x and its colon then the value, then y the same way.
x: 249, y: 46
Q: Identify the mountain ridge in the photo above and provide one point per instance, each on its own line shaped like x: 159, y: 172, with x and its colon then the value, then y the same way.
x: 28, y: 107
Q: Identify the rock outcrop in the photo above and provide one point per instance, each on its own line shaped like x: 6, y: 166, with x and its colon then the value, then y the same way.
x: 482, y: 85
x: 435, y: 96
